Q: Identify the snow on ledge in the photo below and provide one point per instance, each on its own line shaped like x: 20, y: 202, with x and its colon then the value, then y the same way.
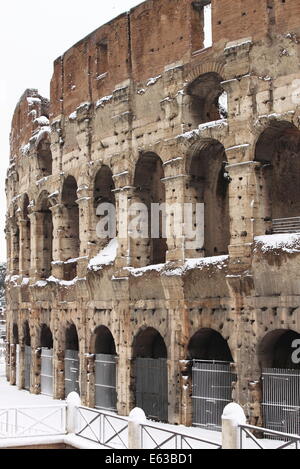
x: 105, y: 257
x: 287, y: 242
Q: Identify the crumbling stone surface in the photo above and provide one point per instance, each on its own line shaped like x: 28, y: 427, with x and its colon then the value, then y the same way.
x: 134, y: 113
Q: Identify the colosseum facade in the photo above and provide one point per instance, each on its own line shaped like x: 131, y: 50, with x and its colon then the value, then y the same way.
x: 150, y: 108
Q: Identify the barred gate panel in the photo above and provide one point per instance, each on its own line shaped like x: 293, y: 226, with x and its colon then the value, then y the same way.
x: 212, y: 391
x: 105, y: 382
x: 151, y: 379
x: 281, y: 399
x: 71, y: 371
x: 47, y: 372
x: 27, y: 366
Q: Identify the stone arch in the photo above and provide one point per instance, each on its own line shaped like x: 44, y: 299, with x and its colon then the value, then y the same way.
x: 149, y: 343
x: 71, y: 359
x: 46, y: 337
x: 275, y: 350
x: 150, y: 373
x: 103, y: 345
x: 206, y: 99
x: 26, y: 334
x: 44, y: 234
x: 102, y: 341
x: 278, y: 152
x: 208, y: 344
x: 207, y: 184
x: 149, y: 248
x: 71, y: 227
x: 15, y: 334
x: 103, y: 194
x: 44, y: 156
x: 26, y: 237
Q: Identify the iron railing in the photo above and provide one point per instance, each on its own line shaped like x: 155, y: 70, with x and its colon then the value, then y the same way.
x: 33, y: 421
x: 246, y: 430
x: 105, y: 428
x: 157, y: 437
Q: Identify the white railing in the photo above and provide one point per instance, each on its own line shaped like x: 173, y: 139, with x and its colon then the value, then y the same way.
x: 246, y: 434
x: 105, y: 428
x: 156, y: 437
x: 33, y: 421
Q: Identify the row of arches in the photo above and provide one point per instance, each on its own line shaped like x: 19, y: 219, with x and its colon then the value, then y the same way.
x: 208, y: 369
x: 206, y: 184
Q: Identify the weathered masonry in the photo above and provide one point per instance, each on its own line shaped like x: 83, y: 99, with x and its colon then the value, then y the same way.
x: 174, y: 114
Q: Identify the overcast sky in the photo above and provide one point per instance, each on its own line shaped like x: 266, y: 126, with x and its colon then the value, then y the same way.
x: 32, y: 35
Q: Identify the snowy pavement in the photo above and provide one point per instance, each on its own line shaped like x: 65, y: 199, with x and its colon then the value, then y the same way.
x: 10, y: 396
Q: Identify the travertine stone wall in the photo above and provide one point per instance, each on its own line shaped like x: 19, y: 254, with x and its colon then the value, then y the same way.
x: 121, y: 100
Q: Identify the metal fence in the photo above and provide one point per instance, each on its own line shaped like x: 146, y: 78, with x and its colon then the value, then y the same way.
x: 281, y: 404
x: 157, y: 437
x: 2, y: 351
x: 22, y: 422
x: 47, y: 372
x: 212, y: 391
x: 105, y: 382
x: 102, y: 427
x: 246, y: 434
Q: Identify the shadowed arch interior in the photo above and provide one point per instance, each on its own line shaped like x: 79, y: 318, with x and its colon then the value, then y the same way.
x: 207, y: 344
x: 208, y: 184
x: 150, y: 189
x: 208, y: 100
x: 275, y: 349
x: 15, y: 334
x: 26, y: 237
x: 71, y: 227
x: 45, y: 235
x: 149, y: 344
x: 46, y: 337
x: 278, y: 151
x: 104, y: 342
x: 103, y: 194
x: 72, y: 342
x: 44, y: 157
x: 26, y: 331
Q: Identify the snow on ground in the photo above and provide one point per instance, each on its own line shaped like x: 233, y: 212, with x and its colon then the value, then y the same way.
x: 10, y: 396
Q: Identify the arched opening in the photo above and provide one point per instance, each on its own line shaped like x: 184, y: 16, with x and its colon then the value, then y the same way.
x: 104, y: 207
x: 71, y: 360
x: 46, y: 361
x: 151, y: 374
x: 208, y: 185
x: 15, y: 356
x: 71, y: 228
x: 44, y: 236
x: 211, y: 377
x: 44, y: 157
x: 15, y: 251
x: 207, y: 100
x: 105, y: 369
x: 149, y: 224
x: 278, y: 151
x: 27, y: 356
x: 26, y: 237
x: 279, y: 358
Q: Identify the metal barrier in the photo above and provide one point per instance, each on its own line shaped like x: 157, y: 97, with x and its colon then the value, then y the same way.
x: 105, y: 428
x: 157, y: 437
x: 245, y: 430
x: 33, y: 421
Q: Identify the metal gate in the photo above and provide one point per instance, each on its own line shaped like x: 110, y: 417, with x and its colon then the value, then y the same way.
x: 281, y: 400
x: 105, y: 382
x: 151, y: 380
x: 71, y: 371
x: 47, y: 372
x: 27, y: 367
x: 212, y: 391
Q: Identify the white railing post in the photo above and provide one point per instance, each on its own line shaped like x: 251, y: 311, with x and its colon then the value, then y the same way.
x: 136, y: 418
x: 73, y: 402
x: 233, y: 416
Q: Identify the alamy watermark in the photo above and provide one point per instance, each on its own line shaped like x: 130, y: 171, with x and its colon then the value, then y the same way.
x: 296, y: 353
x: 155, y: 220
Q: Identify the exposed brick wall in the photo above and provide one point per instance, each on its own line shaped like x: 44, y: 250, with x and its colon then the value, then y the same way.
x: 287, y: 14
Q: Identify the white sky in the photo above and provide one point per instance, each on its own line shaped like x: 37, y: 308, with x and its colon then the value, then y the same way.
x: 32, y: 35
